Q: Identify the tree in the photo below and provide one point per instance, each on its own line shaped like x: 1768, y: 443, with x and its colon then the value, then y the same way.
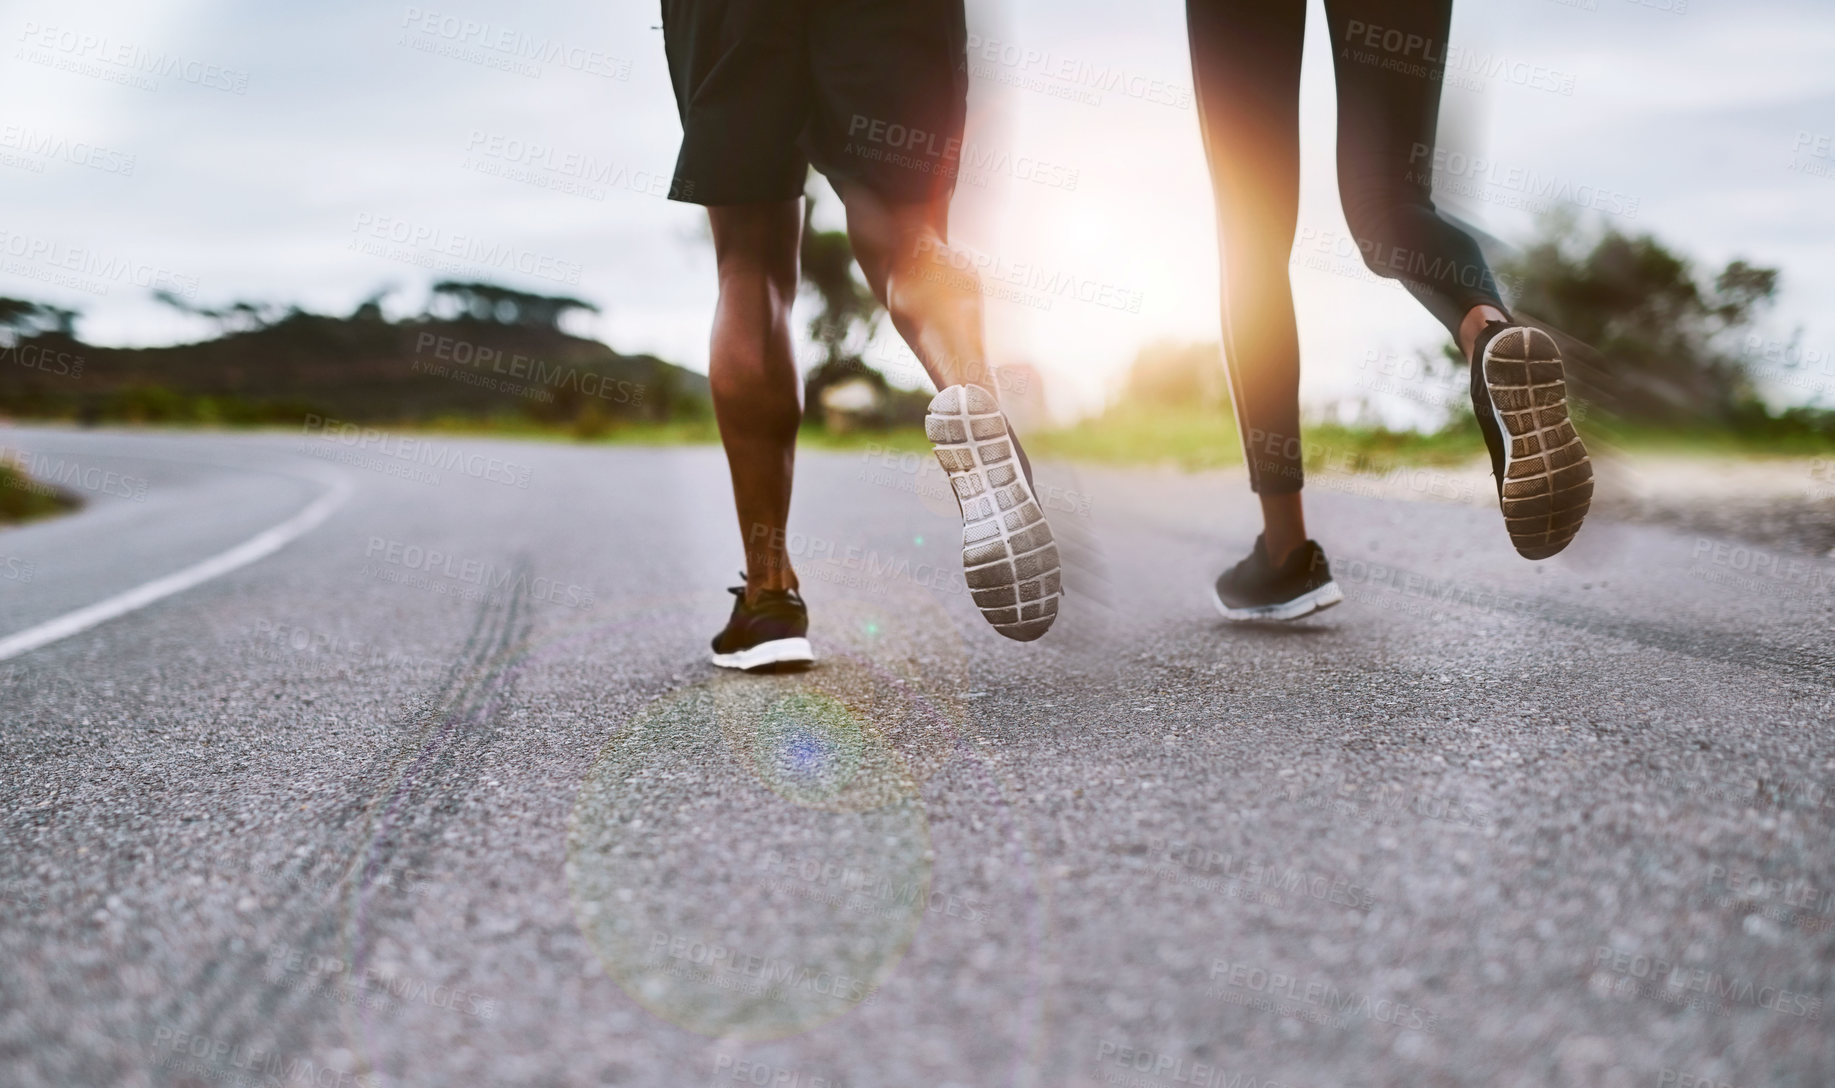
x: 1168, y: 374
x: 489, y: 302
x: 370, y: 309
x: 1651, y: 339
x: 233, y: 318
x: 848, y: 314
x: 23, y: 320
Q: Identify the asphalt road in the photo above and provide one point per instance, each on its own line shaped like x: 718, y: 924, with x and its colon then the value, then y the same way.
x: 443, y: 792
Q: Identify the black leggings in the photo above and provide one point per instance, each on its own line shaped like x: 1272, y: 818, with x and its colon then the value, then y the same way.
x: 1388, y: 56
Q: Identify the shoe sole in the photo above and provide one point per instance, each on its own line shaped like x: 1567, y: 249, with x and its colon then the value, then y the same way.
x: 1009, y: 559
x: 778, y: 655
x: 1547, y: 485
x: 1314, y: 600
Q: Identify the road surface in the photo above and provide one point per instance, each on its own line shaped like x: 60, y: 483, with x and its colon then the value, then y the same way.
x: 436, y: 788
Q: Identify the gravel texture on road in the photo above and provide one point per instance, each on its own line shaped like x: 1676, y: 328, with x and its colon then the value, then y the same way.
x: 445, y: 792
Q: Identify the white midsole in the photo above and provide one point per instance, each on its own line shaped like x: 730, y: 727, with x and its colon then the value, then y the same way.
x: 779, y: 651
x: 1311, y: 601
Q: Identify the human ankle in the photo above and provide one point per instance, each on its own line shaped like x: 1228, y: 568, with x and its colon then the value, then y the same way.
x: 1283, y: 526
x: 772, y: 581
x: 1473, y: 326
x: 1281, y: 548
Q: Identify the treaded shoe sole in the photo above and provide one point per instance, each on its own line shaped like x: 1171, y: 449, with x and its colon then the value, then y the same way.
x: 780, y: 654
x: 1314, y: 600
x: 1009, y: 559
x: 1547, y: 484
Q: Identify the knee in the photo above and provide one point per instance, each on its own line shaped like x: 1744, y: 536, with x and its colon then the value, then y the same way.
x: 1372, y: 226
x: 772, y: 278
x: 1384, y: 222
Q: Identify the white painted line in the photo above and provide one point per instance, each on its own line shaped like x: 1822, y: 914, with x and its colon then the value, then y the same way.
x: 259, y: 546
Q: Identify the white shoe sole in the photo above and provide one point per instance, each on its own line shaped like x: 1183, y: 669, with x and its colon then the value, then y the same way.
x: 779, y: 652
x: 1009, y: 559
x: 1305, y: 604
x: 1548, y: 479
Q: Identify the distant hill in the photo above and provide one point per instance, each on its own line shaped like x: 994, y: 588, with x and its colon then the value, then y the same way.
x: 360, y: 368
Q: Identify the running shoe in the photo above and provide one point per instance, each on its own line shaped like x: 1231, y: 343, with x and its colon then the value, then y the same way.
x: 1544, y: 478
x: 768, y: 635
x: 1009, y: 560
x: 1255, y: 589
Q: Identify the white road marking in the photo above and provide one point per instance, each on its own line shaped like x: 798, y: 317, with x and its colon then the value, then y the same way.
x: 259, y: 546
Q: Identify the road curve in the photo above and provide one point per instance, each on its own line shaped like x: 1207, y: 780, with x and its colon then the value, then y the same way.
x: 442, y: 791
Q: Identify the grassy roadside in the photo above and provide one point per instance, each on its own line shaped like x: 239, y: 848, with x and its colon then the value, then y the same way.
x: 1190, y: 439
x: 1203, y: 440
x: 21, y: 500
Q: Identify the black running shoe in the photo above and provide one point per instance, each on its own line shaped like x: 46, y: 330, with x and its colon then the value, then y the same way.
x: 766, y: 636
x: 1544, y: 478
x: 1008, y: 558
x: 1255, y: 590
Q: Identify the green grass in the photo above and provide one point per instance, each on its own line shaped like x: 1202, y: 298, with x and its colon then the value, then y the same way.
x: 1709, y: 442
x: 22, y: 500
x: 1186, y: 438
x: 1201, y: 440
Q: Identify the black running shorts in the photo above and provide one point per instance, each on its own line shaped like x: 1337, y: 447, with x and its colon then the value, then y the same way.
x: 872, y: 92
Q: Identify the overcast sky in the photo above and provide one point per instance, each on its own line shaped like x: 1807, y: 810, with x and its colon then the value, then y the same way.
x: 314, y: 153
